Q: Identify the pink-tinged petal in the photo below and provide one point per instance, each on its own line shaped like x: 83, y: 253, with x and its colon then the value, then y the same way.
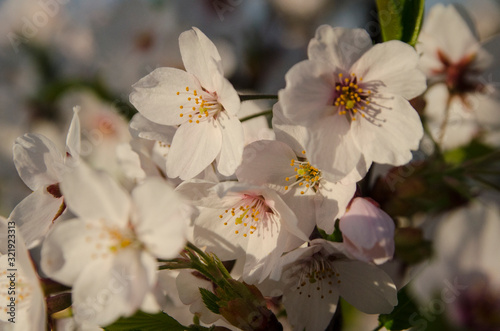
x: 200, y: 57
x: 232, y: 144
x: 143, y: 128
x: 162, y: 218
x: 293, y: 135
x: 155, y: 96
x: 95, y: 195
x: 332, y: 148
x: 73, y: 139
x: 228, y: 97
x: 368, y: 232
x: 392, y: 67
x: 390, y: 137
x: 108, y: 289
x: 194, y: 147
x: 267, y: 162
x: 340, y: 47
x: 309, y: 92
x: 366, y: 287
x: 66, y: 251
x: 443, y: 22
x: 35, y: 214
x: 334, y: 200
x: 37, y: 161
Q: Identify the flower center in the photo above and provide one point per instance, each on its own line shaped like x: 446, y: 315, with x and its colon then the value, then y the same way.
x: 198, y: 106
x: 306, y: 176
x: 317, y: 277
x: 247, y: 214
x: 350, y: 98
x: 460, y: 77
x: 109, y: 239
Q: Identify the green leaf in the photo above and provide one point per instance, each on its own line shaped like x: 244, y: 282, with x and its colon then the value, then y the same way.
x: 210, y: 300
x: 336, y: 236
x: 473, y: 150
x: 400, y: 19
x: 146, y: 322
x: 399, y: 318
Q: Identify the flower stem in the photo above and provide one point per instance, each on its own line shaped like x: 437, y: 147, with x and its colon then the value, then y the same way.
x: 267, y: 112
x: 245, y: 97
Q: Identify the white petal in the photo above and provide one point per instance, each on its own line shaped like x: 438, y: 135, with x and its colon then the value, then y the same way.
x: 37, y: 161
x: 266, y: 162
x: 107, y: 290
x: 194, y: 147
x: 304, y: 208
x: 35, y: 214
x: 441, y: 23
x: 189, y: 292
x: 335, y: 198
x: 331, y: 147
x: 396, y: 130
x: 232, y: 144
x: 201, y: 193
x: 73, y: 144
x: 200, y: 57
x: 66, y: 250
x: 308, y: 96
x: 147, y: 129
x: 338, y: 46
x: 293, y: 135
x: 210, y: 231
x: 161, y: 223
x: 392, y: 67
x: 307, y: 310
x: 366, y: 287
x: 287, y: 217
x: 94, y: 195
x: 155, y: 96
x: 228, y: 97
x: 461, y: 125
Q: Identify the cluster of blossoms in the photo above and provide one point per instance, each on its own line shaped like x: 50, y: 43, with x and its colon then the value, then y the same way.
x: 289, y: 211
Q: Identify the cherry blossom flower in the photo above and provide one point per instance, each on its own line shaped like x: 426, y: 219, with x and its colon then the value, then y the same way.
x: 463, y: 100
x: 314, y: 198
x: 352, y: 98
x: 108, y: 254
x: 41, y: 166
x: 201, y: 102
x: 314, y: 277
x: 241, y: 220
x: 29, y: 310
x: 367, y: 232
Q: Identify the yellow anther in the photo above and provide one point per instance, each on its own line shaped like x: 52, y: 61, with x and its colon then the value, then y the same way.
x: 181, y: 115
x: 181, y: 107
x: 178, y: 93
x: 187, y: 88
